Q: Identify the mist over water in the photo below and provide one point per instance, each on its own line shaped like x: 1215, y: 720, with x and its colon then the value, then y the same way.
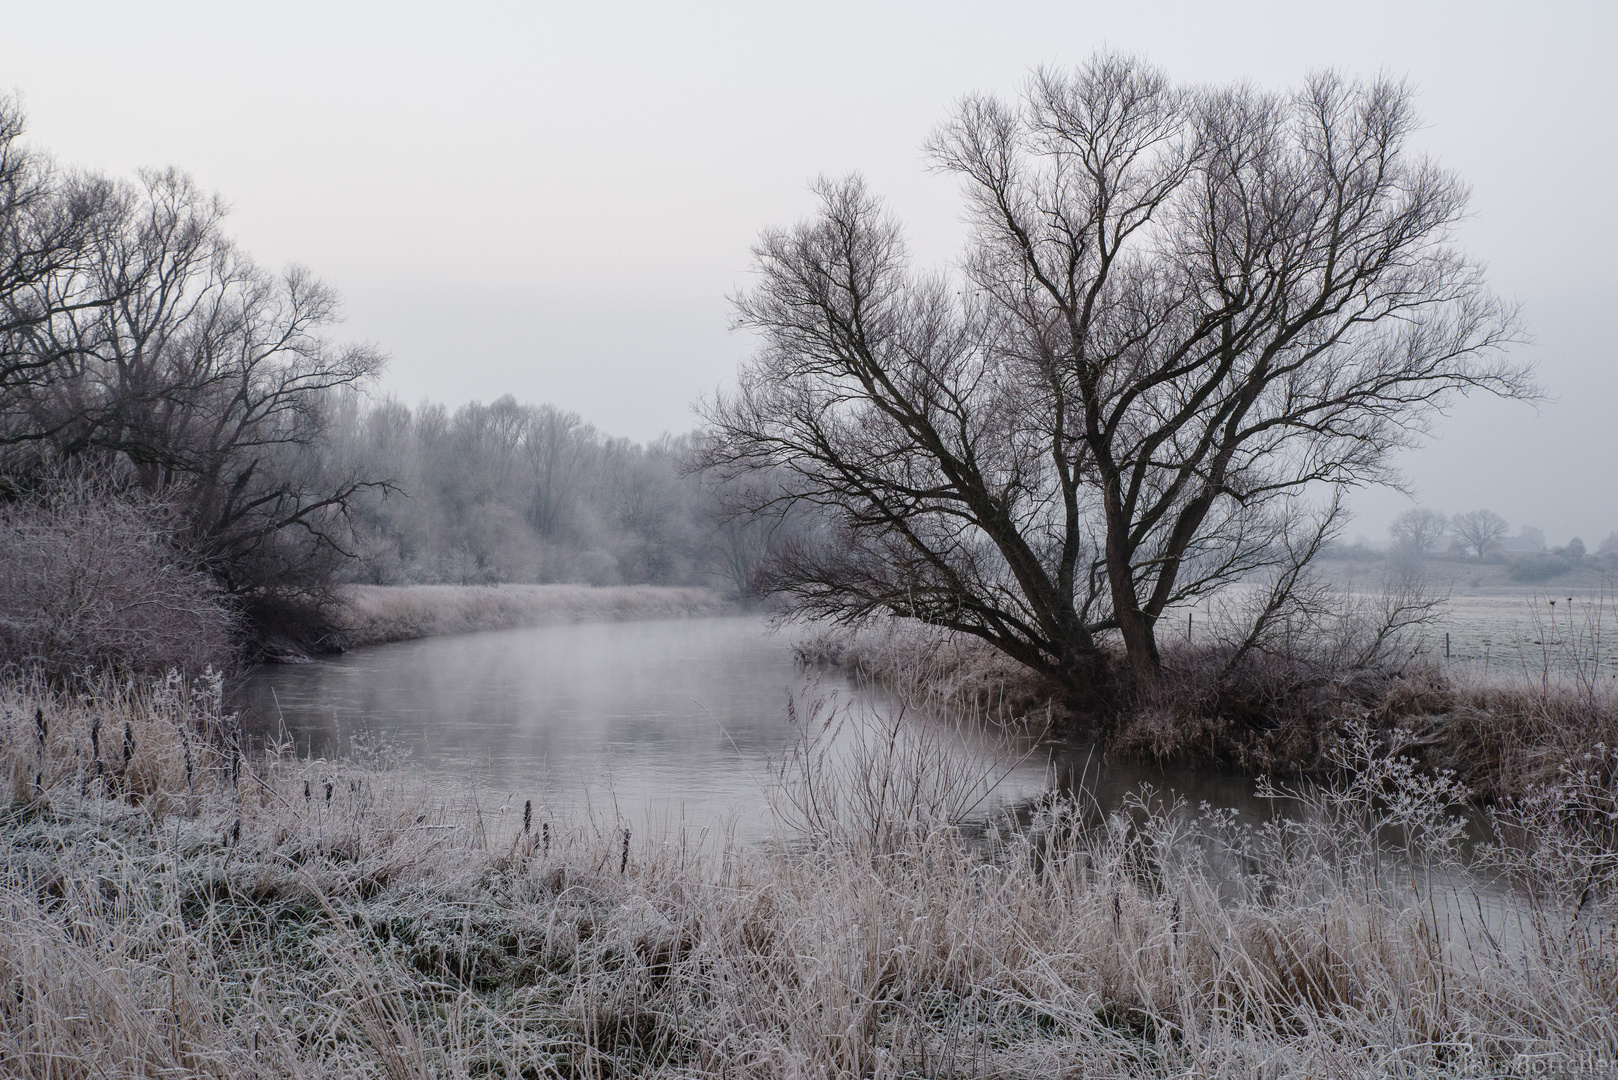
x: 666, y: 721
x: 672, y: 715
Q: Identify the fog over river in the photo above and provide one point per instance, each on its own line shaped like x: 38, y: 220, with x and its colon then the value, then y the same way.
x: 664, y: 720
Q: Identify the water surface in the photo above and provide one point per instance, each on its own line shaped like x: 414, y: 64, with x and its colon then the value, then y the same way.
x: 679, y: 719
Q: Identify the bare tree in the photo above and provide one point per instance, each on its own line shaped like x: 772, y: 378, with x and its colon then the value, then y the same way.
x: 204, y: 377
x: 1418, y: 529
x: 743, y: 542
x: 1479, y: 530
x: 1180, y: 312
x: 49, y: 225
x: 557, y: 448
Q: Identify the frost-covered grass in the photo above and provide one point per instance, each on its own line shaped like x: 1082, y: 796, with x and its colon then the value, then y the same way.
x: 1502, y: 729
x: 175, y: 910
x: 374, y: 614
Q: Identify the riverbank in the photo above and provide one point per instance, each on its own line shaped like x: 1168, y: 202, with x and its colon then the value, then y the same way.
x: 378, y: 614
x: 1501, y: 731
x: 175, y: 909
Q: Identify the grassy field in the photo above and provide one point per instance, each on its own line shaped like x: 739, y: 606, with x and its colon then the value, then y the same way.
x: 176, y: 910
x: 1520, y: 632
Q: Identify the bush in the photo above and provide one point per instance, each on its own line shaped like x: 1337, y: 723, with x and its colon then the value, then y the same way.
x: 92, y: 580
x: 1540, y: 567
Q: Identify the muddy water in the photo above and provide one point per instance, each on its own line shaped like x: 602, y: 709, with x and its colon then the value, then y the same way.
x: 675, y: 720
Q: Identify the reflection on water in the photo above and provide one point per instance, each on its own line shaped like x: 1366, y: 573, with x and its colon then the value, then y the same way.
x: 676, y: 718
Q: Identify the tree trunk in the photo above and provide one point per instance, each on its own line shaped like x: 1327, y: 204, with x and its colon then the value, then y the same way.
x: 1140, y: 644
x: 1086, y: 682
x: 1140, y: 641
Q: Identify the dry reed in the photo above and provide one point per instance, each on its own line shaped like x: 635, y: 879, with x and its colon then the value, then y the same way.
x: 180, y: 911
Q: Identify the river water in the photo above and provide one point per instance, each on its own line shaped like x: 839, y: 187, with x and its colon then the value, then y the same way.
x: 669, y: 720
x: 665, y: 726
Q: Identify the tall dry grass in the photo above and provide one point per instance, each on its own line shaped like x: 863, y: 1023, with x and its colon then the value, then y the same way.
x: 180, y: 911
x: 937, y: 669
x: 375, y: 614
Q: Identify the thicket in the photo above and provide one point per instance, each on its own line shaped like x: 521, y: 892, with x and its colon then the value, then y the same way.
x: 92, y: 581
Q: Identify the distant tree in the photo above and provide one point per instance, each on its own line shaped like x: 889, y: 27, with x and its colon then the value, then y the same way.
x: 1575, y: 547
x: 1418, y: 529
x: 1529, y: 538
x: 744, y: 543
x: 559, y: 447
x: 1479, y: 530
x: 1609, y: 546
x: 1181, y: 310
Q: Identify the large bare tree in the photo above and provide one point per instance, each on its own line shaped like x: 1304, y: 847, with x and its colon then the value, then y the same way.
x: 163, y: 351
x: 1182, y: 314
x: 1479, y: 530
x: 1418, y: 529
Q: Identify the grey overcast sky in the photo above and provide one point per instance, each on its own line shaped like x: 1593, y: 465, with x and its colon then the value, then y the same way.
x: 554, y: 200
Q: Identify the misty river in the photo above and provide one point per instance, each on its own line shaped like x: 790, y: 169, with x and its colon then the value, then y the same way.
x: 666, y: 721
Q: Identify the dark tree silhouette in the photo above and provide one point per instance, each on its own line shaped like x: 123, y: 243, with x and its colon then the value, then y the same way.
x: 135, y: 337
x: 49, y: 228
x: 1180, y: 313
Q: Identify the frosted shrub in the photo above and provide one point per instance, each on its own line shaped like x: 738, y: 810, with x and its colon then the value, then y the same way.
x: 91, y: 580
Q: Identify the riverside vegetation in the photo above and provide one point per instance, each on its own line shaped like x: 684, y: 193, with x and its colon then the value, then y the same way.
x: 162, y: 392
x: 178, y: 907
x: 375, y: 614
x: 1278, y: 696
x: 95, y: 578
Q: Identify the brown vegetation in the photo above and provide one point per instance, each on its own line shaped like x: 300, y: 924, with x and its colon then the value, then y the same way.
x: 1284, y: 705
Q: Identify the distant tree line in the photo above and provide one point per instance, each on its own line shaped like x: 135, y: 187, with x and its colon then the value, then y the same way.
x: 510, y: 492
x: 1485, y: 536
